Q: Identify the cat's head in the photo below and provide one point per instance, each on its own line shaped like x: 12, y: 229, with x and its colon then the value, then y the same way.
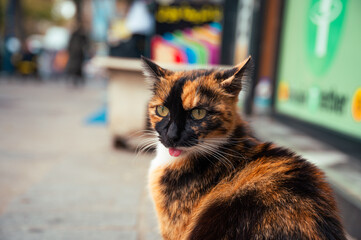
x: 193, y: 108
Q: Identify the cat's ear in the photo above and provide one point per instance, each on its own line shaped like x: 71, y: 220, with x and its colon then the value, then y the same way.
x: 152, y: 71
x: 231, y: 80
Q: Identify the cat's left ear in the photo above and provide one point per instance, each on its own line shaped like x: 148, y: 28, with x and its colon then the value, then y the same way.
x: 152, y: 71
x: 232, y: 79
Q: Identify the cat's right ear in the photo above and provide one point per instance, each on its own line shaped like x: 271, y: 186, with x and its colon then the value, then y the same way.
x: 152, y: 71
x: 232, y: 79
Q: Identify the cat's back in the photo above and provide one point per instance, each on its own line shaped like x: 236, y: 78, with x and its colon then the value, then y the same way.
x: 276, y: 195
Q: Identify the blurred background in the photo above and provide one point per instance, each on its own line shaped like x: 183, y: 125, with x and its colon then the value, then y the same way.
x: 73, y: 101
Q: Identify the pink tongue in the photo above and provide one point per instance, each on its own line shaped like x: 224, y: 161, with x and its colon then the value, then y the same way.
x: 174, y: 152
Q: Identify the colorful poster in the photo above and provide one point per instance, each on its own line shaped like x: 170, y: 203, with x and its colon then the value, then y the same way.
x: 319, y: 77
x: 191, y: 28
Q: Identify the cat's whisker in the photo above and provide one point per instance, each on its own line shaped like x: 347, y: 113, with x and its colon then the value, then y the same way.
x: 203, y: 152
x: 149, y: 147
x: 146, y: 144
x: 226, y: 140
x: 218, y: 155
x: 143, y: 132
x: 219, y: 147
x: 142, y: 141
x: 145, y: 148
x: 235, y: 155
x: 145, y: 141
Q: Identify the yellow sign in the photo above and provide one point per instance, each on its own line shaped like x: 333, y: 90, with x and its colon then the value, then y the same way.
x: 283, y: 91
x: 188, y: 13
x: 356, y: 105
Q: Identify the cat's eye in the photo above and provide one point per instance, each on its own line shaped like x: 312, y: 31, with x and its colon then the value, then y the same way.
x: 198, y: 113
x: 162, y: 111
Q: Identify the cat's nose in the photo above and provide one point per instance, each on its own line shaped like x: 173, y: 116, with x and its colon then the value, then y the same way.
x: 172, y: 133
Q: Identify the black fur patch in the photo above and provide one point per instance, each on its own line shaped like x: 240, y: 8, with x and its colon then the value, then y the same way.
x: 274, y: 152
x: 199, y: 73
x: 329, y: 227
x: 190, y: 184
x: 235, y: 218
x: 176, y: 129
x: 302, y: 181
x: 153, y: 69
x: 223, y: 75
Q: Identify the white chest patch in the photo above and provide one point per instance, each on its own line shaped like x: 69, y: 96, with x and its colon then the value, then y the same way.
x: 161, y: 159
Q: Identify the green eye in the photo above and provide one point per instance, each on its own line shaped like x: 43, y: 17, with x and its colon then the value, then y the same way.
x: 162, y: 111
x: 199, y: 113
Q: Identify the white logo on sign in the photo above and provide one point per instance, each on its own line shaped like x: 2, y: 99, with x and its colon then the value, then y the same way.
x: 322, y: 14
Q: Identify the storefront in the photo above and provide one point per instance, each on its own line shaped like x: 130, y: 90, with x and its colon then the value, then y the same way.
x: 319, y: 77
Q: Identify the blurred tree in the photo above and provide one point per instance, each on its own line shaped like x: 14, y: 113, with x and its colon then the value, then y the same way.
x: 12, y: 22
x: 2, y: 14
x: 38, y: 9
x: 27, y: 13
x: 12, y: 28
x: 78, y: 16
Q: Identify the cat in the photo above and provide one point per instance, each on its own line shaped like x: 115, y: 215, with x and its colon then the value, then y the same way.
x: 212, y: 179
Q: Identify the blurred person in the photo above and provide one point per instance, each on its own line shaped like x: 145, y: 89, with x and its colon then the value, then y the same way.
x: 27, y: 63
x: 60, y: 62
x: 1, y: 54
x: 77, y: 49
x: 11, y: 52
x: 45, y: 62
x: 128, y: 31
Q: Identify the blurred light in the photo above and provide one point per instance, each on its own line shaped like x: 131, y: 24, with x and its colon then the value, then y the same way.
x: 35, y: 43
x: 56, y: 38
x: 65, y: 9
x: 13, y: 45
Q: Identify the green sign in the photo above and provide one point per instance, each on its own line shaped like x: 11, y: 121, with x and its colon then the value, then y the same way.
x: 323, y: 31
x: 319, y: 71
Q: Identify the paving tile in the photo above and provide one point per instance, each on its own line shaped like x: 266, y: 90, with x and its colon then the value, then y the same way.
x: 88, y: 219
x: 67, y: 234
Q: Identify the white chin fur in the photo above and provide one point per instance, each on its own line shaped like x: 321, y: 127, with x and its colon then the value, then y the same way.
x: 162, y: 157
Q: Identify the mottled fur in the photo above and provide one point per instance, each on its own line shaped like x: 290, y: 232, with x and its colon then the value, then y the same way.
x: 227, y: 184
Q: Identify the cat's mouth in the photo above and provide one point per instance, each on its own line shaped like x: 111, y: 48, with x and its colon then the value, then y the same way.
x: 175, y: 152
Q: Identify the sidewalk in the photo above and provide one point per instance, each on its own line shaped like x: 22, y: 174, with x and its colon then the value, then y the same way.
x: 60, y: 178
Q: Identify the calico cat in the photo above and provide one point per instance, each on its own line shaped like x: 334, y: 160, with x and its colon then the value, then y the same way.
x: 211, y: 179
